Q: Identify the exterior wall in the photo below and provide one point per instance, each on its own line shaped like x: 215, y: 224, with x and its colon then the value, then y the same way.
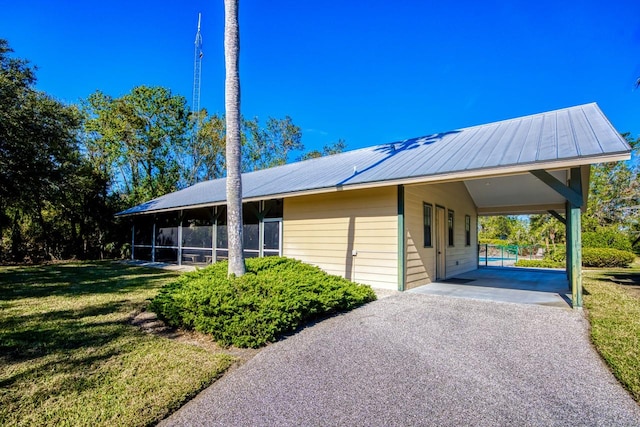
x: 421, y: 261
x: 327, y: 229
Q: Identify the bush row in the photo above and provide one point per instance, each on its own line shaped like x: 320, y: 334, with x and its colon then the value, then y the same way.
x: 539, y: 263
x: 275, y: 296
x: 496, y: 242
x: 606, y: 237
x: 606, y: 257
x: 596, y: 257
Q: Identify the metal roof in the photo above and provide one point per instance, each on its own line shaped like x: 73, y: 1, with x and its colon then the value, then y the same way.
x: 567, y: 137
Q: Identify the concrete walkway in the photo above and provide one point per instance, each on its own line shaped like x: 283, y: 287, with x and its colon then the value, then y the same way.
x: 412, y: 359
x: 518, y: 285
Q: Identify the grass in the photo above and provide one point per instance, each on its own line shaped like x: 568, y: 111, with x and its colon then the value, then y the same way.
x: 69, y: 355
x: 612, y: 298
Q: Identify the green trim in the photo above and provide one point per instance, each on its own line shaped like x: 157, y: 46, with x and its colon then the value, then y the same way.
x: 576, y: 241
x: 573, y: 195
x: 557, y: 216
x: 567, y: 209
x: 402, y: 251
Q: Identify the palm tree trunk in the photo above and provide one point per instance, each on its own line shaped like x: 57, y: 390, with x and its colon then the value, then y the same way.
x: 232, y: 107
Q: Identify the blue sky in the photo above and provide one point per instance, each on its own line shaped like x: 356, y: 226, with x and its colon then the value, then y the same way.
x: 369, y: 72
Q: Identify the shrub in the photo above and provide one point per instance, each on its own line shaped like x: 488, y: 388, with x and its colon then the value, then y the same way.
x: 557, y: 253
x: 539, y: 263
x: 595, y: 257
x: 274, y: 297
x: 606, y: 237
x: 606, y: 257
x: 496, y: 242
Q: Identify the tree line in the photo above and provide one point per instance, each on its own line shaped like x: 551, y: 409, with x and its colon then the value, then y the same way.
x: 65, y: 170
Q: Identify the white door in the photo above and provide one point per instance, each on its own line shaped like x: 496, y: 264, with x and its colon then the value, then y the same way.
x: 272, y: 237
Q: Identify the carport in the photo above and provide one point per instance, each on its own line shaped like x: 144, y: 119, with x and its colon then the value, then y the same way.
x: 561, y: 192
x: 545, y: 168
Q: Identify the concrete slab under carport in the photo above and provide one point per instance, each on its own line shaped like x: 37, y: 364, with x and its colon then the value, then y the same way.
x: 548, y: 287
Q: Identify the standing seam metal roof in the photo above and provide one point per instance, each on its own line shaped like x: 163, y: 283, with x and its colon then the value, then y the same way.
x: 576, y: 133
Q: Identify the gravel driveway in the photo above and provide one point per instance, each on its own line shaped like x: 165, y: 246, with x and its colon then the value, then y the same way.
x: 413, y: 359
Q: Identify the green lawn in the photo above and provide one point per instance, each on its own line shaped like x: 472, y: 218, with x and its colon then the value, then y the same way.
x: 69, y: 355
x: 612, y: 300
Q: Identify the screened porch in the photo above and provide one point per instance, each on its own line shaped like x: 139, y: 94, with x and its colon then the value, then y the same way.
x: 199, y: 236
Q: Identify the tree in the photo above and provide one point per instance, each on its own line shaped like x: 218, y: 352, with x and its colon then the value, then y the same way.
x: 50, y: 200
x: 329, y: 149
x: 614, y: 192
x: 137, y: 140
x: 269, y: 146
x: 204, y: 158
x: 233, y: 146
x: 547, y: 229
x: 496, y: 227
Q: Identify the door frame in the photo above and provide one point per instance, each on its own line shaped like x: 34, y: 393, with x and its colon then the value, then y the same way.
x: 262, y: 248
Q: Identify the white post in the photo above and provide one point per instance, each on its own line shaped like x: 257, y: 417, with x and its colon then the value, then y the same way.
x: 153, y: 242
x: 180, y: 238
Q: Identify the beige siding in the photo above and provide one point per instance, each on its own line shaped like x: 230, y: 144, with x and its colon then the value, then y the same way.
x: 326, y: 229
x: 421, y: 261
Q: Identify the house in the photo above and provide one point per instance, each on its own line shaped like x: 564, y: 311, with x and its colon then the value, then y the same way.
x: 395, y: 215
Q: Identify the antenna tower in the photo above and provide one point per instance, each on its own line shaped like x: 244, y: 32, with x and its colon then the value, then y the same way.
x: 197, y: 74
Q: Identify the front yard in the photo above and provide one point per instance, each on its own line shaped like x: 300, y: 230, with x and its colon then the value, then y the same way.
x: 69, y: 354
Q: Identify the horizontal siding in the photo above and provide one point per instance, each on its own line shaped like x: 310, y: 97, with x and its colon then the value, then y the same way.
x: 421, y: 261
x: 326, y: 229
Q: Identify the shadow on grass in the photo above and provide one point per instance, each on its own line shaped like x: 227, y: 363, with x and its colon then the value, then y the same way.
x: 74, y: 279
x: 66, y: 347
x: 624, y: 279
x: 627, y: 280
x: 85, y: 326
x: 36, y: 335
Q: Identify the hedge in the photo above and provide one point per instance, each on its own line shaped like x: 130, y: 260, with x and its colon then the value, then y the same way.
x: 606, y: 257
x: 606, y: 237
x: 539, y: 263
x: 276, y: 296
x: 496, y: 242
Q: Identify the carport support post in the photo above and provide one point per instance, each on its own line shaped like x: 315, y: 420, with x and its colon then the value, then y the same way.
x: 575, y: 199
x: 567, y: 245
x: 576, y: 241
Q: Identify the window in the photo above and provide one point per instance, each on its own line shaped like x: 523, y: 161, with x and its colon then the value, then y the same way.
x: 467, y: 230
x: 450, y: 226
x: 428, y: 220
